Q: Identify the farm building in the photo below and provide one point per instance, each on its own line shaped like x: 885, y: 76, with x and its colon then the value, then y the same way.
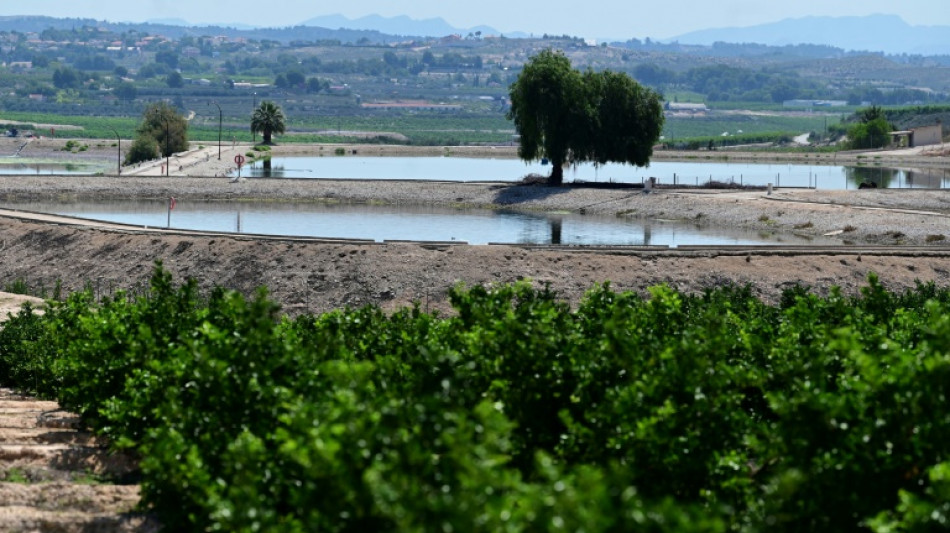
x: 923, y: 136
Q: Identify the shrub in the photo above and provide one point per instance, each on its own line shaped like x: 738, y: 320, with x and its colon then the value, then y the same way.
x: 144, y: 148
x: 669, y: 412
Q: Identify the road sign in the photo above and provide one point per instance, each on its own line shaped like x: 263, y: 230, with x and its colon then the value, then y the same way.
x: 239, y: 159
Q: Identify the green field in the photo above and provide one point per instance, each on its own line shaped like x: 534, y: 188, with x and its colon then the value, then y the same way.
x: 716, y: 124
x: 421, y: 129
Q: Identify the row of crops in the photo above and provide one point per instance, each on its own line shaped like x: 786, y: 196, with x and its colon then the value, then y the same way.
x: 672, y: 412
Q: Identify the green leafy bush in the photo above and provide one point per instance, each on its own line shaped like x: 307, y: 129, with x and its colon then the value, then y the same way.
x: 671, y: 412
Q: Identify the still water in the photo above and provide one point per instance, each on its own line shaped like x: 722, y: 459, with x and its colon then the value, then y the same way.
x: 688, y: 173
x: 380, y: 223
x: 13, y: 166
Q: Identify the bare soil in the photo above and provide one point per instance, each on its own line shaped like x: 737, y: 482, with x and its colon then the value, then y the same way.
x: 56, y: 478
x: 313, y: 276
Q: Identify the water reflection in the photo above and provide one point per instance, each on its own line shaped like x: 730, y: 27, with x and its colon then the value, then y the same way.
x: 25, y: 168
x: 820, y: 176
x: 869, y: 177
x: 268, y: 170
x: 926, y: 179
x: 556, y: 223
x: 381, y: 223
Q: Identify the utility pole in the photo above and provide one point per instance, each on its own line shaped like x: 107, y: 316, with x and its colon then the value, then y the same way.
x: 253, y: 131
x: 164, y: 120
x: 167, y: 153
x: 219, y: 128
x: 118, y: 143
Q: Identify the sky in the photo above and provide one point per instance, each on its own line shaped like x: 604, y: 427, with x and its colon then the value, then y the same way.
x: 594, y: 19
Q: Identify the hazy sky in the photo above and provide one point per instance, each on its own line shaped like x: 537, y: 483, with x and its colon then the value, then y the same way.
x: 586, y: 18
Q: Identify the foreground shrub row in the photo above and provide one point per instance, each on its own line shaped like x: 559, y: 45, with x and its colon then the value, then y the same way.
x: 675, y: 412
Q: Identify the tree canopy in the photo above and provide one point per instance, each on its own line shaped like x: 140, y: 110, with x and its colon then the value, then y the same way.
x: 267, y: 120
x: 569, y: 117
x: 163, y: 131
x: 873, y: 130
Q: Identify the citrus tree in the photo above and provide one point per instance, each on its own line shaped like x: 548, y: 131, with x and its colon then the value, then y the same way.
x: 569, y: 117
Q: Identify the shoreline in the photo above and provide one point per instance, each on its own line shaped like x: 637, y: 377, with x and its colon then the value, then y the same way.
x: 877, y: 217
x: 891, y: 217
x: 202, y: 158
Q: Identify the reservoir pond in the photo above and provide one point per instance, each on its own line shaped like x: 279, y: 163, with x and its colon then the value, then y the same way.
x: 390, y: 223
x: 825, y: 176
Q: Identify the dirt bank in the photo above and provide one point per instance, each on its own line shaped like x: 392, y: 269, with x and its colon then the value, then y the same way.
x: 316, y: 277
x: 885, y: 216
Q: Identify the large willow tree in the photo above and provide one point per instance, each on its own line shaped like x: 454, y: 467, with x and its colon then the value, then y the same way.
x: 570, y: 117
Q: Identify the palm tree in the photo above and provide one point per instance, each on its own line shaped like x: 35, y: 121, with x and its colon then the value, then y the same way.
x: 267, y: 119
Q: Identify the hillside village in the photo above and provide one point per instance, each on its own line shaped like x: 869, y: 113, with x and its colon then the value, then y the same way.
x: 321, y: 77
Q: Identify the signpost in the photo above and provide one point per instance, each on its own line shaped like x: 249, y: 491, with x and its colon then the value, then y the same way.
x: 171, y: 205
x: 239, y: 159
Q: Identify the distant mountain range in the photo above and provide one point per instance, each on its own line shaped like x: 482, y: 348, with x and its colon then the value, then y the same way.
x: 875, y: 33
x: 396, y: 26
x: 401, y: 25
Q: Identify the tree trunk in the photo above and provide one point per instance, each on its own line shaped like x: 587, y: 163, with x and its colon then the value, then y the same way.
x: 557, y: 174
x: 266, y: 137
x: 556, y: 230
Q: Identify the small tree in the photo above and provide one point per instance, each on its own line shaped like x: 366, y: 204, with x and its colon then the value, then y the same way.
x: 66, y: 78
x: 144, y: 148
x: 873, y: 130
x: 163, y: 126
x: 175, y: 80
x: 267, y: 120
x: 125, y: 91
x: 315, y: 85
